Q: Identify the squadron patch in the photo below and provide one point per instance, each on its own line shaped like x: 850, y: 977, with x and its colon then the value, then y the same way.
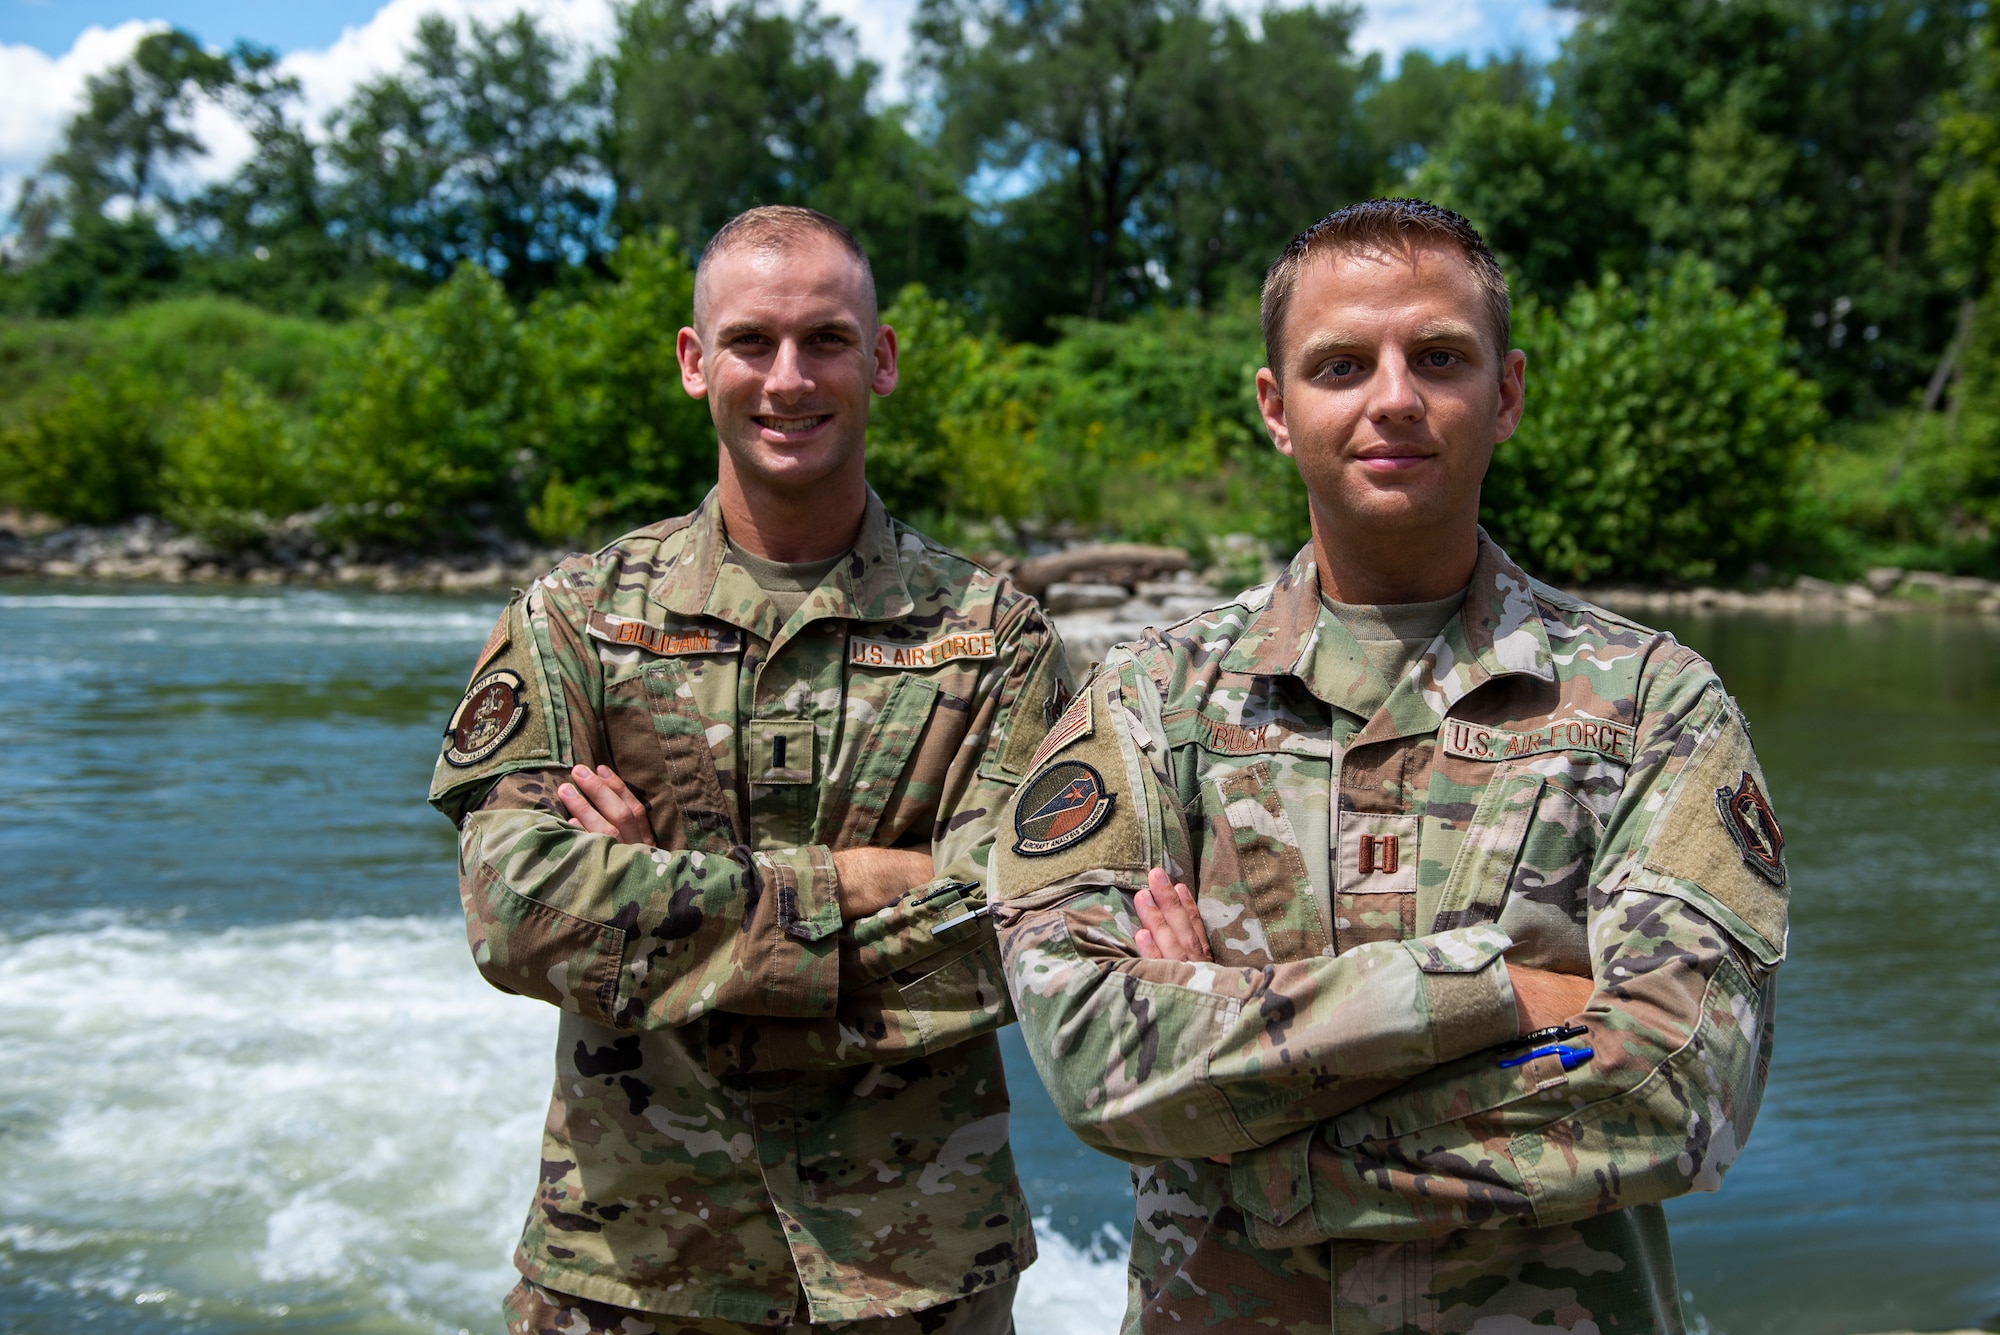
x: 491, y: 712
x: 1062, y: 806
x: 1748, y: 817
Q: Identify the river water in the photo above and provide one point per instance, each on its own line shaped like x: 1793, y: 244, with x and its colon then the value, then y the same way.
x: 249, y: 1080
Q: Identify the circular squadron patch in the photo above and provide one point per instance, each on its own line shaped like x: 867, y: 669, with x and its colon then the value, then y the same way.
x: 1748, y: 817
x: 1061, y: 806
x: 490, y: 713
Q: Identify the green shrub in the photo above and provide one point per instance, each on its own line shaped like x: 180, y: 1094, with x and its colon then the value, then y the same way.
x: 233, y: 465
x: 184, y: 345
x: 91, y: 456
x: 1145, y: 430
x: 918, y: 458
x: 617, y: 441
x: 424, y: 444
x: 1663, y: 438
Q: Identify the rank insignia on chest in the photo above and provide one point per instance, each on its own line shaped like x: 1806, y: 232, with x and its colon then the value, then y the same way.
x: 1060, y: 807
x: 1748, y: 817
x: 933, y: 653
x: 663, y: 640
x: 491, y: 712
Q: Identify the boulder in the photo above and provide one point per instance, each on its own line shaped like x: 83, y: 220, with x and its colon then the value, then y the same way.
x: 1127, y: 564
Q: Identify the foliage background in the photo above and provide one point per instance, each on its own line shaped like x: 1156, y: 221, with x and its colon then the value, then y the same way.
x: 1751, y: 246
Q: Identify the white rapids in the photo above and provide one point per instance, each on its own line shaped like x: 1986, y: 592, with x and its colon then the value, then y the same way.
x: 331, y: 1123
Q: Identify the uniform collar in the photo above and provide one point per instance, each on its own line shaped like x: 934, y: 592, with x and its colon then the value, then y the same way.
x: 703, y: 582
x: 1497, y: 633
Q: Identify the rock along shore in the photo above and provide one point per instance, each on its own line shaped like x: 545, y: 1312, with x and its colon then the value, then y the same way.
x: 1098, y: 594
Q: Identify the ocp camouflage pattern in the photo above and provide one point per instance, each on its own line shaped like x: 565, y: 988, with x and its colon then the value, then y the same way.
x: 1365, y: 887
x: 749, y: 1097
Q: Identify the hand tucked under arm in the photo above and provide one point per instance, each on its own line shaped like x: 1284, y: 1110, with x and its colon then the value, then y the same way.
x: 599, y: 802
x: 1172, y: 928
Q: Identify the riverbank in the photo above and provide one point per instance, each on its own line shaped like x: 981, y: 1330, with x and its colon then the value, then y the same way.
x: 1099, y: 595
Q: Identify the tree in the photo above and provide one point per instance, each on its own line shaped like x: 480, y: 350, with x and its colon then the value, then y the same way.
x: 1283, y: 139
x: 136, y: 122
x: 1636, y: 460
x: 89, y: 226
x: 717, y: 108
x: 1783, y: 140
x: 479, y: 150
x: 1090, y: 98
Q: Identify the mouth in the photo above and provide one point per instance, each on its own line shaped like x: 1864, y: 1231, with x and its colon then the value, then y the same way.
x: 1392, y: 461
x: 791, y: 428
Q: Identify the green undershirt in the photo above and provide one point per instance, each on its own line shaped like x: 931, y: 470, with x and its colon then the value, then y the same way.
x: 1394, y: 635
x: 785, y: 585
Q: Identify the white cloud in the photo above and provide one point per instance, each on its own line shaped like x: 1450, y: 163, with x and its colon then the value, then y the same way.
x: 1449, y: 27
x: 379, y: 45
x: 38, y: 93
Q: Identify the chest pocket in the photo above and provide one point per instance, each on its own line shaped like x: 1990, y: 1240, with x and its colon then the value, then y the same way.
x: 1476, y: 887
x: 1255, y: 872
x: 706, y: 807
x: 867, y: 776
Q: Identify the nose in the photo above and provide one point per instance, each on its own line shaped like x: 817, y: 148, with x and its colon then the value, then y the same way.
x: 1395, y: 396
x: 788, y: 377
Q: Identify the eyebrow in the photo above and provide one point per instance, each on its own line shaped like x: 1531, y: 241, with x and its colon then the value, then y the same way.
x: 1328, y: 342
x: 738, y: 328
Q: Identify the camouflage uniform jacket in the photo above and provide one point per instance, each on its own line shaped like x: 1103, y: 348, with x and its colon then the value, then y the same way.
x: 751, y: 1098
x: 1550, y: 785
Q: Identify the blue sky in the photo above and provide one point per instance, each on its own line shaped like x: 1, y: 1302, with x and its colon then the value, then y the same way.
x: 52, y: 26
x: 49, y: 47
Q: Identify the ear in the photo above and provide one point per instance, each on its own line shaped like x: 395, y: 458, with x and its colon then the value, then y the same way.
x: 1513, y: 395
x: 1271, y: 405
x: 884, y: 380
x: 688, y: 352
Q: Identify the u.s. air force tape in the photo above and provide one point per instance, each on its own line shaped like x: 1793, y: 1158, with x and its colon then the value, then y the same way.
x: 944, y: 649
x: 491, y: 712
x: 1475, y: 741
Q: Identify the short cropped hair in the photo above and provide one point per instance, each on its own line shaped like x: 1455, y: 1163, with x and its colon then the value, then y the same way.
x: 776, y: 228
x: 1382, y: 224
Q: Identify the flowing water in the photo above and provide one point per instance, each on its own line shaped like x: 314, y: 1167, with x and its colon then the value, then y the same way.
x: 249, y: 1080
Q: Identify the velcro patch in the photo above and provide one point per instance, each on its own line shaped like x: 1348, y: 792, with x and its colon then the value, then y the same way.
x: 944, y: 649
x: 1473, y: 741
x: 491, y: 712
x: 1746, y: 813
x: 1060, y: 807
x: 1074, y: 725
x: 664, y: 640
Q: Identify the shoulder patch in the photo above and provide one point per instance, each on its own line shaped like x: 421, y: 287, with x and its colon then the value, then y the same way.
x: 1073, y: 725
x: 1060, y: 807
x: 1746, y: 813
x: 504, y: 721
x: 491, y: 712
x: 1719, y: 835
